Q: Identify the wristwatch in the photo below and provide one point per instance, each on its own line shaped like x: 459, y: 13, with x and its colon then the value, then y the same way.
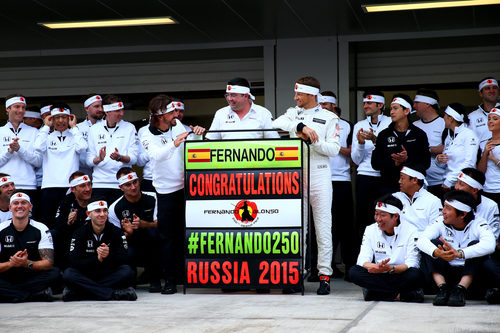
x: 460, y: 254
x: 30, y: 265
x: 393, y: 270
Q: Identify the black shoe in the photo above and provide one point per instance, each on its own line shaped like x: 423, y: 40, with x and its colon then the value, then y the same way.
x: 169, y: 288
x: 413, y: 296
x: 337, y: 273
x: 324, y: 285
x: 457, y: 296
x: 155, y: 287
x: 493, y: 296
x: 442, y: 296
x: 127, y: 294
x: 368, y: 295
x: 42, y: 296
x: 69, y: 295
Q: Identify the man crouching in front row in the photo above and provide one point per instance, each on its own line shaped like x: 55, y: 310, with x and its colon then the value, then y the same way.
x: 388, y: 261
x: 98, y: 260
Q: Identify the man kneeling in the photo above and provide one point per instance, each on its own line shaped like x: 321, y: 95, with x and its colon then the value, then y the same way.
x: 387, y: 266
x: 98, y: 260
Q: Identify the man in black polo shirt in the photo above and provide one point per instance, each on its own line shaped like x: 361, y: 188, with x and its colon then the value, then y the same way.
x: 135, y: 212
x: 98, y: 260
x: 26, y: 255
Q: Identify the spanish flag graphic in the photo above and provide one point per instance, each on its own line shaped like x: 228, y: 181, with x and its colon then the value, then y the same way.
x: 286, y: 153
x: 198, y: 155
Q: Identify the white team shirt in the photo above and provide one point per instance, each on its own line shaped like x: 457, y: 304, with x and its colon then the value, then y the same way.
x: 461, y: 148
x: 488, y: 210
x: 434, y: 130
x: 123, y: 137
x: 422, y: 210
x: 477, y: 229
x: 492, y: 174
x: 400, y: 247
x: 478, y: 123
x: 340, y: 165
x: 84, y: 128
x: 143, y: 158
x: 361, y: 154
x: 61, y: 155
x: 257, y: 118
x: 4, y: 216
x: 20, y: 165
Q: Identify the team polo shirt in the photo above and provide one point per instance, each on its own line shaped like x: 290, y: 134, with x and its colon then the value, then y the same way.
x: 20, y: 165
x: 121, y: 209
x: 34, y: 237
x: 434, y: 130
x: 361, y: 154
x: 257, y: 118
x: 61, y: 155
x: 340, y: 165
x: 477, y: 230
x: 423, y: 209
x: 401, y: 247
x: 123, y: 137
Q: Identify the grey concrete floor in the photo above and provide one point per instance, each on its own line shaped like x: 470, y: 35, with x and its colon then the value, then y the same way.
x: 204, y: 310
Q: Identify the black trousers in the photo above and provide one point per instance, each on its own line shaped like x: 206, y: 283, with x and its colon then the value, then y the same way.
x: 386, y: 286
x: 171, y: 224
x: 147, y: 186
x: 50, y: 201
x: 367, y: 191
x: 98, y: 284
x: 18, y: 284
x: 144, y: 251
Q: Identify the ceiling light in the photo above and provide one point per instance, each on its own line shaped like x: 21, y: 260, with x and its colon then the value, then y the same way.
x: 426, y: 5
x: 110, y: 23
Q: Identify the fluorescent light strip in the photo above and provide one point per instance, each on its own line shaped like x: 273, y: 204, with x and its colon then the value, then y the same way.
x: 426, y: 5
x: 110, y: 23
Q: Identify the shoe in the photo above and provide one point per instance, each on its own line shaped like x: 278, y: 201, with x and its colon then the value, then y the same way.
x: 368, y: 295
x: 441, y: 296
x: 337, y: 273
x: 457, y: 296
x: 42, y: 296
x: 169, y: 288
x: 127, y: 294
x: 324, y: 285
x: 155, y: 287
x: 69, y: 295
x: 493, y: 296
x: 413, y: 296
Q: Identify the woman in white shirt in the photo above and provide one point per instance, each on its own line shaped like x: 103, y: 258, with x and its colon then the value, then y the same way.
x: 490, y: 159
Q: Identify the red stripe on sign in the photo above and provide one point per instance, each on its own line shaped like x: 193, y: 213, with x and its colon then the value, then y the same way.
x: 198, y: 150
x: 286, y: 148
x: 199, y: 160
x: 286, y: 158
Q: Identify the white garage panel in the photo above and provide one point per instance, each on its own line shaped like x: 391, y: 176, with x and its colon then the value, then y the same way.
x: 427, y: 66
x: 128, y: 78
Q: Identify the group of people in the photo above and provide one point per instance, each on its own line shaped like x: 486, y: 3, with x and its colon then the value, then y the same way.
x: 75, y: 212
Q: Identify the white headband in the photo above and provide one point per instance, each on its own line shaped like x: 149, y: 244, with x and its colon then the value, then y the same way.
x: 239, y: 90
x: 113, y: 107
x: 45, y: 109
x: 426, y: 99
x: 32, y: 114
x: 5, y: 180
x: 127, y: 178
x: 57, y: 111
x: 412, y: 173
x: 470, y: 181
x: 458, y: 205
x: 302, y: 88
x: 19, y: 196
x: 387, y: 208
x: 96, y: 205
x: 374, y: 98
x: 487, y: 82
x: 14, y: 100
x: 495, y: 111
x: 90, y: 100
x: 79, y: 180
x: 401, y: 102
x: 327, y: 99
x: 174, y: 106
x: 454, y: 114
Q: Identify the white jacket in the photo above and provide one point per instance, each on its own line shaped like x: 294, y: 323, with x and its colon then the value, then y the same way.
x: 123, y: 137
x: 424, y: 209
x: 488, y: 210
x: 20, y: 165
x: 401, y: 247
x: 61, y: 155
x: 478, y: 123
x: 477, y: 229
